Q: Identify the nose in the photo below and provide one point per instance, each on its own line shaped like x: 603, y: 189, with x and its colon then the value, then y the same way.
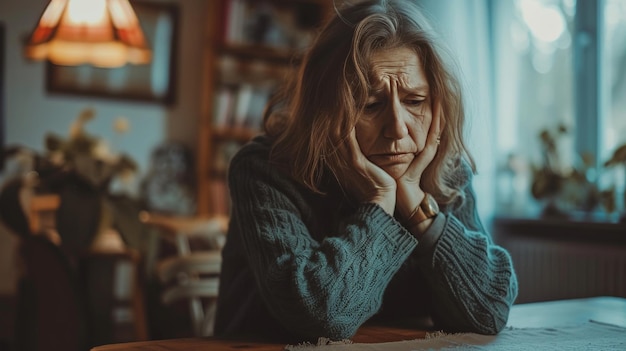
x: 395, y: 126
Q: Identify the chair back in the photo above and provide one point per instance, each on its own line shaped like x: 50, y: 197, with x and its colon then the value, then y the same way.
x: 50, y: 313
x: 191, y: 275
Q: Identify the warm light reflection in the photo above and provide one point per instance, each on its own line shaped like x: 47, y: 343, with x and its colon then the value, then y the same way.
x: 545, y: 21
x: 122, y: 14
x: 103, y: 33
x: 542, y: 30
x: 86, y: 12
x: 52, y: 13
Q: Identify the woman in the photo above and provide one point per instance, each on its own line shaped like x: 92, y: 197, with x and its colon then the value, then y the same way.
x: 357, y: 202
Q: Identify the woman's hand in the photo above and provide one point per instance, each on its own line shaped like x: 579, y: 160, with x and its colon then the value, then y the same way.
x: 365, y: 180
x: 409, y: 192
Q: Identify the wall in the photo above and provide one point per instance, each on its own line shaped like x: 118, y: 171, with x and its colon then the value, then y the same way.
x: 31, y: 112
x: 464, y: 25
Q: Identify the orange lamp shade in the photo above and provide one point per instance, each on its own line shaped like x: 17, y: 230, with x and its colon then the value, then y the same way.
x: 103, y: 33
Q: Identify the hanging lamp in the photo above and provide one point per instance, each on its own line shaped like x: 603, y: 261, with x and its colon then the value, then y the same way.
x: 102, y: 33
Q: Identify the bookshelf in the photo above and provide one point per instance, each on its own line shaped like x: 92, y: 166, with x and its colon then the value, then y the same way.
x: 251, y: 46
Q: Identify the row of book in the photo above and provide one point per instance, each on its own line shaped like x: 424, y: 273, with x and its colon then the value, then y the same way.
x: 240, y: 105
x: 256, y: 22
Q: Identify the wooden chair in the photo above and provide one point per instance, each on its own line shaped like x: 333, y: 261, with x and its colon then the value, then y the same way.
x: 191, y: 274
x: 50, y: 310
x: 69, y: 297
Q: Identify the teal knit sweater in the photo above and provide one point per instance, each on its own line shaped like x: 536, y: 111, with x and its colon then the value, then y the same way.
x: 300, y: 265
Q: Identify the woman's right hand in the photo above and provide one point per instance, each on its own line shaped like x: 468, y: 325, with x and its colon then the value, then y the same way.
x: 365, y: 180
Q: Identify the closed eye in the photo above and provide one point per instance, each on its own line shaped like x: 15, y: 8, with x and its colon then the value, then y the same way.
x: 414, y: 101
x: 373, y: 106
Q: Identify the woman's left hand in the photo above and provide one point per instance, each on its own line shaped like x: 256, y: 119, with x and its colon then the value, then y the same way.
x: 364, y: 180
x: 409, y: 192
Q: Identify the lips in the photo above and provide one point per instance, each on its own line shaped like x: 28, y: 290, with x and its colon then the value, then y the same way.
x: 390, y: 158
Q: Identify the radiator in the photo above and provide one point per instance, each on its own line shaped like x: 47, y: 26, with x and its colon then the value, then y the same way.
x: 550, y: 270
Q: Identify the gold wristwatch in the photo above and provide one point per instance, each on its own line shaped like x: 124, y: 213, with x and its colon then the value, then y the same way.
x: 428, y: 208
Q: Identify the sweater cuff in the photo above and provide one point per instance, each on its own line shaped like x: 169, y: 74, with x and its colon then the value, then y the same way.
x: 431, y: 236
x: 387, y: 225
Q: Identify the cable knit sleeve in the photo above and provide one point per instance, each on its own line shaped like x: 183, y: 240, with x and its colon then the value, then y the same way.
x: 326, y: 287
x: 472, y: 280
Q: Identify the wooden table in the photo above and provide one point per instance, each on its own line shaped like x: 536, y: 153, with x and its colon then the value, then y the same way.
x: 610, y: 310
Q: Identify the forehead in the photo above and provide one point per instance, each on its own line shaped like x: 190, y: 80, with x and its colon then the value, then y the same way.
x: 399, y: 64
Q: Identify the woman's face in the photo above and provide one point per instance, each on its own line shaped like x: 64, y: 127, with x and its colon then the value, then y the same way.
x: 397, y: 115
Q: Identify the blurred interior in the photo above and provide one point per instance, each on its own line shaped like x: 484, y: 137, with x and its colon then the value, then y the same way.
x: 546, y: 98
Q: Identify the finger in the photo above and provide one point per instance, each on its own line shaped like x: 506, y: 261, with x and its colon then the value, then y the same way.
x: 424, y: 158
x: 436, y: 126
x: 360, y: 177
x: 362, y: 163
x: 355, y: 160
x: 434, y: 133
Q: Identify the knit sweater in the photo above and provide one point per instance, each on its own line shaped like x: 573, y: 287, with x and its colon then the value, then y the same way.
x: 302, y: 265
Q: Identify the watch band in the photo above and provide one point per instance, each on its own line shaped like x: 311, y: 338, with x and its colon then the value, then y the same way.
x: 428, y: 208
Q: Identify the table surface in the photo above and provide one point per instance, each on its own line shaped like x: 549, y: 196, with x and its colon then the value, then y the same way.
x: 611, y: 310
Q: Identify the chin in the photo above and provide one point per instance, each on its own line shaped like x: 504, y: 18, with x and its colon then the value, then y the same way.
x: 396, y: 171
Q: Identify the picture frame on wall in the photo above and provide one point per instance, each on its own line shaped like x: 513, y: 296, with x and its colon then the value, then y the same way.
x: 2, y: 92
x: 152, y: 82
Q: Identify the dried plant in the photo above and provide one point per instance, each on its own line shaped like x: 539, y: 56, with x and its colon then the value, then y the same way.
x: 88, y: 156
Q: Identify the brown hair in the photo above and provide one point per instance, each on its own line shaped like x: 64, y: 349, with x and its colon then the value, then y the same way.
x: 315, y: 112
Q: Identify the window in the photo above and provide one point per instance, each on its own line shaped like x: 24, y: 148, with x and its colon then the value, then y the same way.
x: 560, y: 99
x: 614, y: 76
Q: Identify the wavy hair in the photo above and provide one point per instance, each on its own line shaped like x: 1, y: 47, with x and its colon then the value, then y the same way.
x: 316, y: 110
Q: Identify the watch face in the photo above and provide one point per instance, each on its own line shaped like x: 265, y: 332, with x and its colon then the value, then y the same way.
x: 432, y: 207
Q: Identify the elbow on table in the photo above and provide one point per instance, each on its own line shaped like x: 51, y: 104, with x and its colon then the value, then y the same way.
x: 495, y: 314
x: 340, y: 328
x: 489, y: 321
x: 493, y: 322
x: 491, y: 328
x: 334, y: 328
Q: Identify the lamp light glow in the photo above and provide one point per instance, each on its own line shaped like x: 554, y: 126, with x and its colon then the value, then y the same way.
x: 103, y: 33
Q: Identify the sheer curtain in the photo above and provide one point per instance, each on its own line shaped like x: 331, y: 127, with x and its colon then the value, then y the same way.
x: 464, y: 25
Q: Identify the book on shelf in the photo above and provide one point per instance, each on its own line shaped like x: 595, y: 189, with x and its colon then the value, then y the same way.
x: 258, y: 102
x: 223, y: 106
x: 285, y: 25
x: 234, y: 15
x: 240, y: 106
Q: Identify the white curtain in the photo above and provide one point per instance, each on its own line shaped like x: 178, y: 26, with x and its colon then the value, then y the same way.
x: 464, y: 24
